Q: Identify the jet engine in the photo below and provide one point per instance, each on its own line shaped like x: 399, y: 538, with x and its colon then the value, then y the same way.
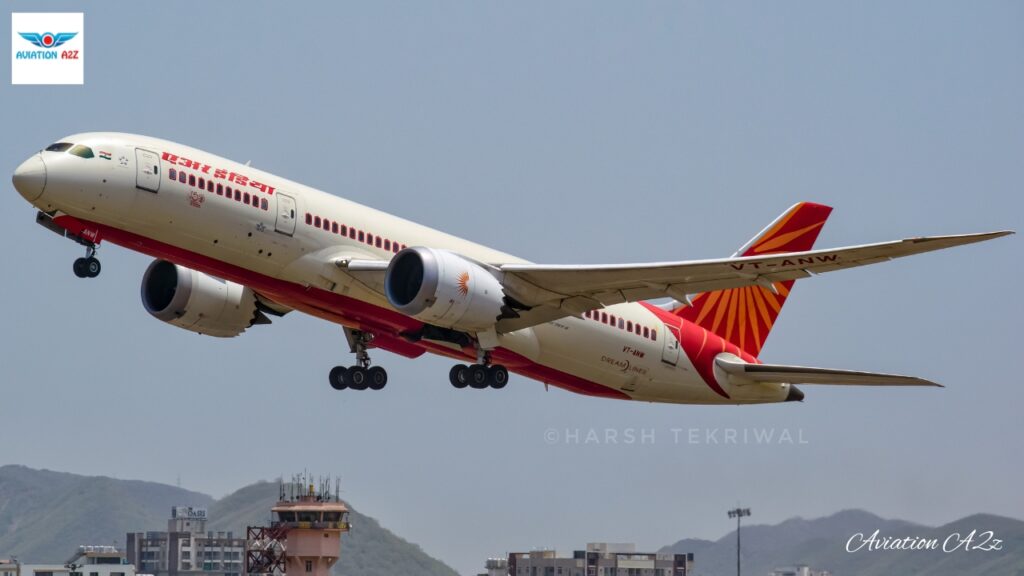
x: 444, y: 289
x: 198, y: 302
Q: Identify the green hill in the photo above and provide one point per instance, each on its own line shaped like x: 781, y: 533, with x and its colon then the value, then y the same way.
x: 45, y: 516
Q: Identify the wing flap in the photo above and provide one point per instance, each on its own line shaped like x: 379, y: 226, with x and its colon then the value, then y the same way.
x: 740, y: 372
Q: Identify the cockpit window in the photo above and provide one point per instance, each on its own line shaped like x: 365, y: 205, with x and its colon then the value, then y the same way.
x: 83, y: 151
x: 58, y: 147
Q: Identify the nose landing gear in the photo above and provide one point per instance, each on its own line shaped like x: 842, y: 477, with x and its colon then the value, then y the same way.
x: 88, y: 267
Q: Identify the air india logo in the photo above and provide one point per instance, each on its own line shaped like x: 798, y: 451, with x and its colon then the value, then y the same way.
x: 464, y: 283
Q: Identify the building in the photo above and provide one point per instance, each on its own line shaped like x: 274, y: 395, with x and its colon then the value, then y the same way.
x: 799, y: 570
x: 87, y: 561
x: 14, y: 568
x: 99, y: 561
x: 599, y: 559
x: 186, y: 548
x: 495, y: 567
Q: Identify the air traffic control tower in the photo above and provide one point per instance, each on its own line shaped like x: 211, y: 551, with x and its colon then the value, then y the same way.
x: 304, y: 538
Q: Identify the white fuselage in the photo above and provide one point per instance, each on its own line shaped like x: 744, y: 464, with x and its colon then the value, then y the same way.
x: 264, y: 245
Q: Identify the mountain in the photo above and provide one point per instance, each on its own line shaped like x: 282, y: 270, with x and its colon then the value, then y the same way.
x: 821, y: 544
x: 45, y: 516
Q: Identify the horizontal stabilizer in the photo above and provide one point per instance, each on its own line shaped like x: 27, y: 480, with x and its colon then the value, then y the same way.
x: 740, y: 372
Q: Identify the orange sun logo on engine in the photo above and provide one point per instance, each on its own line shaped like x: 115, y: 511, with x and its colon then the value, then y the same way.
x: 464, y: 283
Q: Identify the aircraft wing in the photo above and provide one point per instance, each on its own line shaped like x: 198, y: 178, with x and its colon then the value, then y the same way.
x: 740, y: 373
x: 555, y: 291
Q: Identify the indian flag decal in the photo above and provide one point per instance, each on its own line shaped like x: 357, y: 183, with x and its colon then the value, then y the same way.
x: 104, y: 155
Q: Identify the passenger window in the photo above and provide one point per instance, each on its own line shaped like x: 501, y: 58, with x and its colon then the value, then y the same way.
x: 344, y: 230
x: 255, y: 201
x: 202, y: 183
x: 220, y: 189
x: 621, y: 324
x: 264, y: 204
x: 647, y: 332
x: 327, y: 225
x: 316, y: 221
x: 377, y: 243
x: 629, y: 326
x: 394, y: 247
x: 387, y: 245
x: 58, y: 146
x: 238, y: 195
x: 361, y: 236
x: 654, y: 334
x: 604, y: 318
x: 191, y: 179
x: 246, y: 197
x: 173, y: 174
x: 334, y: 227
x: 352, y: 233
x: 369, y: 239
x: 83, y: 151
x: 181, y: 177
x: 209, y: 185
x: 309, y: 218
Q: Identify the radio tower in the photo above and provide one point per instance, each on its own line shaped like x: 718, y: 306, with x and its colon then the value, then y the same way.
x: 304, y: 537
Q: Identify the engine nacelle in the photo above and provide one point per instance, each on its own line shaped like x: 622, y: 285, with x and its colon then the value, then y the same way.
x: 444, y: 289
x: 198, y: 302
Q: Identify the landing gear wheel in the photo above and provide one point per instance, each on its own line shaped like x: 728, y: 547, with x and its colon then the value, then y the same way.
x: 357, y: 378
x: 92, y: 267
x: 80, y: 268
x: 497, y: 376
x: 458, y: 375
x: 338, y: 378
x: 378, y: 377
x: 477, y: 376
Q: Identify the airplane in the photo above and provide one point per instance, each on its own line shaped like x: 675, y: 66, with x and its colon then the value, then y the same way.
x: 235, y: 246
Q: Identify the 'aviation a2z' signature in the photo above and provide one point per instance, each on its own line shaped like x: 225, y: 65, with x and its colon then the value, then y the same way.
x: 264, y: 246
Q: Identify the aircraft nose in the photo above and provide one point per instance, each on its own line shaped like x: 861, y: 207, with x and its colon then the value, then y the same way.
x: 30, y: 178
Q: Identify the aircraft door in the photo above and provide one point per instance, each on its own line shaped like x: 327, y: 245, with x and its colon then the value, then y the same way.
x: 147, y: 170
x: 285, y: 214
x: 670, y: 353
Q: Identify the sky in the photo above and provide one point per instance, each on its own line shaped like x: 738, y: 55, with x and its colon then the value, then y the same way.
x: 570, y: 132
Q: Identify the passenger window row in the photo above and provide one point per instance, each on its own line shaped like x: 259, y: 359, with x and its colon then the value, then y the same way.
x: 627, y: 325
x: 354, y: 233
x: 219, y: 188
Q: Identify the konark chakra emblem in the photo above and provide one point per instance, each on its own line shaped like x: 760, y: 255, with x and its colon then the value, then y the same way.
x: 463, y: 282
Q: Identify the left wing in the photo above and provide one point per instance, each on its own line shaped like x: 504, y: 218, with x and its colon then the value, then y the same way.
x: 557, y: 291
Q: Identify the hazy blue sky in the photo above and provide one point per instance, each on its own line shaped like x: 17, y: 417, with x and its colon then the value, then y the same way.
x: 562, y: 132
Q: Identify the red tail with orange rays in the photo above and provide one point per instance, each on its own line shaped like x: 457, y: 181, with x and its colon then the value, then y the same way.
x: 744, y: 316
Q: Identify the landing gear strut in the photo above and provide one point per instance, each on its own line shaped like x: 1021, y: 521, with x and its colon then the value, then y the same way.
x: 480, y: 375
x: 88, y: 267
x: 362, y: 375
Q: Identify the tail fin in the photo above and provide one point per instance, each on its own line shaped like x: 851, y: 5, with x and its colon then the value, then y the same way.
x: 744, y: 316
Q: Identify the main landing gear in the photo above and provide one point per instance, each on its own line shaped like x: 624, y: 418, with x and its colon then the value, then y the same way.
x: 480, y: 375
x: 362, y: 375
x: 88, y: 267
